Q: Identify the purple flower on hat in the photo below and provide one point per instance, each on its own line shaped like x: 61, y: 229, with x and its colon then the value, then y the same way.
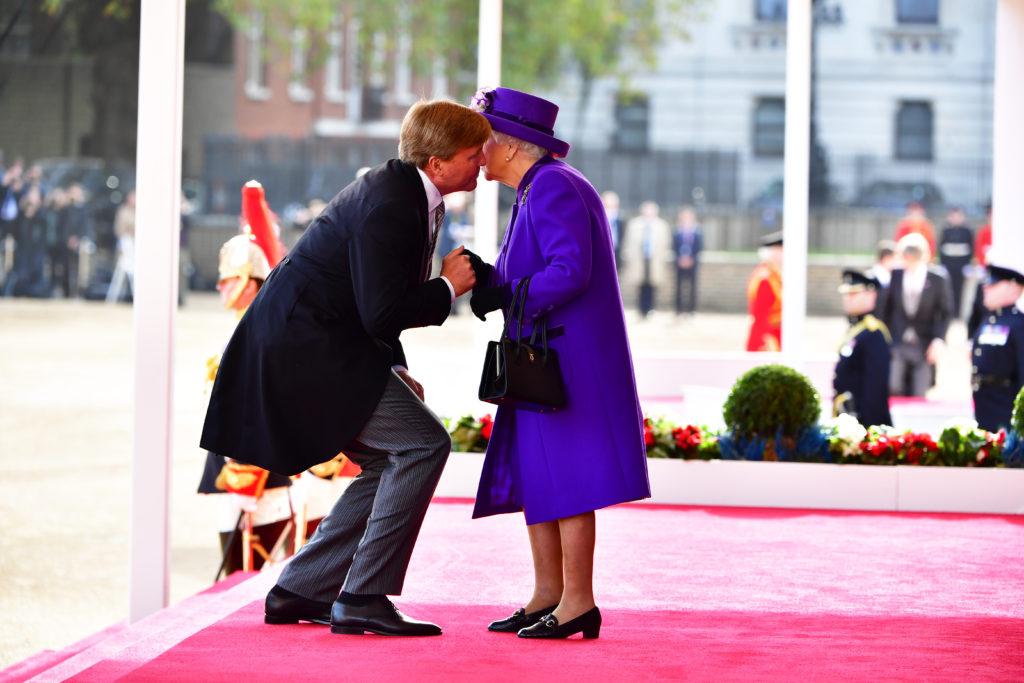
x: 483, y: 100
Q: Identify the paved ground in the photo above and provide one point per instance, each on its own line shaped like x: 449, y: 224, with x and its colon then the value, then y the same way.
x: 66, y: 391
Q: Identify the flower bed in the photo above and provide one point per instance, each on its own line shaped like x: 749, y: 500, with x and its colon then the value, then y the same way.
x: 839, y: 441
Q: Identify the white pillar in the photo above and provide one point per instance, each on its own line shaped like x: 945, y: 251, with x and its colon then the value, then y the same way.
x: 488, y: 73
x: 796, y: 177
x: 158, y: 181
x: 1008, y: 137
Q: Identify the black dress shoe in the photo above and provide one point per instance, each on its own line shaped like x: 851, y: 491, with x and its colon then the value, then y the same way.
x: 380, y: 617
x: 519, y: 620
x: 285, y: 607
x: 548, y: 627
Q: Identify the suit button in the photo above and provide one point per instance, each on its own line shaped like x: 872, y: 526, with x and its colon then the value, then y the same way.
x: 977, y: 352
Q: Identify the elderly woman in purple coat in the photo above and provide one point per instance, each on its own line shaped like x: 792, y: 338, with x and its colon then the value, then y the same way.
x: 558, y: 467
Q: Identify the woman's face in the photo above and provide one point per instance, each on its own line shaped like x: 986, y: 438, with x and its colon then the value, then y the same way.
x: 494, y: 155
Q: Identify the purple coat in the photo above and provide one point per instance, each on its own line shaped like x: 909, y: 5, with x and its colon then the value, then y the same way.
x: 591, y: 454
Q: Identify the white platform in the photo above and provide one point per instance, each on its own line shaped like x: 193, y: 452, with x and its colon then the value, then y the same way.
x: 803, y: 485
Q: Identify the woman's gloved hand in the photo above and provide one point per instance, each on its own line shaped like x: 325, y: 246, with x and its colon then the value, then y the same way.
x: 481, y: 269
x: 487, y: 299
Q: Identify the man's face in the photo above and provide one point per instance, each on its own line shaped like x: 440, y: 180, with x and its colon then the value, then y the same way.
x: 236, y: 293
x: 859, y: 301
x: 459, y: 174
x: 1001, y: 294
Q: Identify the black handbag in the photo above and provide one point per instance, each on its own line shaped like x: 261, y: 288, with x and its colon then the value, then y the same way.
x: 522, y: 374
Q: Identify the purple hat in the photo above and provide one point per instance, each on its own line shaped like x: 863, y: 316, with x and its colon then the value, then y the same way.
x: 521, y: 115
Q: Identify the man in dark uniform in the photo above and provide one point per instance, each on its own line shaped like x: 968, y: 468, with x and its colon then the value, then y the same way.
x: 861, y: 380
x: 315, y: 367
x: 998, y: 349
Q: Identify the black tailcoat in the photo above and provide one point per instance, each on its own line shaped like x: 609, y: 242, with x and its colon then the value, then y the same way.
x: 308, y: 362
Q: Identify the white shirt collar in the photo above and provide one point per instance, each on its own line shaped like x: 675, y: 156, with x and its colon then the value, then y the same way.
x: 433, y: 194
x: 916, y: 278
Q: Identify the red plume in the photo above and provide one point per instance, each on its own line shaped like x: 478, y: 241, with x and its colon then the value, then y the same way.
x: 257, y: 215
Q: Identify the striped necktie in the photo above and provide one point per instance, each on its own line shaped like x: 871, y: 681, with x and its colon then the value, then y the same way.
x: 438, y: 219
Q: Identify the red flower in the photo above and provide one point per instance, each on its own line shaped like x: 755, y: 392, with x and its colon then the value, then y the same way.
x: 486, y: 424
x: 648, y: 434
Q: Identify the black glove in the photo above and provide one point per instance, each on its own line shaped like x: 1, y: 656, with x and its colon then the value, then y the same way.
x: 481, y: 269
x: 487, y: 299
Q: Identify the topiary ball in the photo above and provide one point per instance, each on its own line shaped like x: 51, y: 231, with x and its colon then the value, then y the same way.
x: 1017, y: 420
x: 770, y: 397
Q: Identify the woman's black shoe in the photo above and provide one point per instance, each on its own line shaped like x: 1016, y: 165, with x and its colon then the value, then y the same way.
x: 548, y: 627
x: 520, y: 620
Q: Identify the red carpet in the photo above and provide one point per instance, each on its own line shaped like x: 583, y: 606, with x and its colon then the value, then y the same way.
x: 703, y: 594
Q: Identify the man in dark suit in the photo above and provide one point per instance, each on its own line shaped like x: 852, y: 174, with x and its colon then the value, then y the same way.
x: 687, y: 243
x: 917, y: 308
x: 610, y: 199
x: 315, y: 367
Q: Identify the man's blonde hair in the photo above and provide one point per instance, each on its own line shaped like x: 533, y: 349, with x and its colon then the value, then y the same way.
x: 439, y: 128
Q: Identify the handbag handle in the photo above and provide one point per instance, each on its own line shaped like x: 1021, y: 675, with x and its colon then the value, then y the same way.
x: 519, y: 298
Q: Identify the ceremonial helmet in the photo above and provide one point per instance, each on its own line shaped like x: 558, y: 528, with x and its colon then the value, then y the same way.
x: 241, y: 257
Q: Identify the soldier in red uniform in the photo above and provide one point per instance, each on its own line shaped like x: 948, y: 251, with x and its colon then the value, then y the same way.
x: 764, y: 297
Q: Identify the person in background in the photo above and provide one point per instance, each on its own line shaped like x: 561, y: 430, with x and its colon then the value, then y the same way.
x: 916, y: 221
x: 558, y: 467
x: 648, y: 254
x: 75, y: 233
x: 28, y: 277
x: 12, y: 186
x: 982, y: 244
x: 610, y: 200
x: 997, y: 372
x: 956, y: 244
x: 917, y: 308
x: 885, y: 261
x: 124, y: 231
x: 687, y: 243
x: 242, y: 267
x: 983, y: 238
x: 861, y: 380
x: 764, y: 297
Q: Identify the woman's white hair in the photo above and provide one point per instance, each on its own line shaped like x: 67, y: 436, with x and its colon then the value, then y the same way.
x: 527, y: 148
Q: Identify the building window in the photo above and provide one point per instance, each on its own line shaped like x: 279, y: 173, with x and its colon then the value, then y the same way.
x: 297, y: 88
x: 632, y: 113
x: 255, y: 59
x: 917, y: 11
x: 403, y: 57
x: 334, y: 67
x: 770, y: 10
x: 375, y: 85
x: 770, y: 127
x: 914, y: 125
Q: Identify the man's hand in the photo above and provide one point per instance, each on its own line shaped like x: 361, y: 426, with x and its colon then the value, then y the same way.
x: 457, y: 268
x: 416, y: 387
x: 480, y: 268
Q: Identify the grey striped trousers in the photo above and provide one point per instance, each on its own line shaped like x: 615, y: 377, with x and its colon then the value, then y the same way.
x: 364, y: 544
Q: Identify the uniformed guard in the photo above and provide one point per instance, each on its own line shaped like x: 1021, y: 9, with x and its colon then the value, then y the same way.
x: 243, y: 266
x: 998, y: 349
x: 764, y: 297
x: 861, y: 380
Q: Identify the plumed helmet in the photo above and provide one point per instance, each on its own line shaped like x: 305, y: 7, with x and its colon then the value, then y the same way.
x: 241, y: 257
